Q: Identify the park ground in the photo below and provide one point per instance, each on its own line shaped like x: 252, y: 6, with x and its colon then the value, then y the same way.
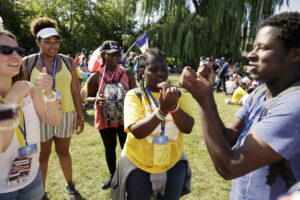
x: 90, y: 170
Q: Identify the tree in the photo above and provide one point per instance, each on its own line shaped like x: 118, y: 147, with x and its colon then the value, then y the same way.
x: 81, y: 23
x: 213, y: 29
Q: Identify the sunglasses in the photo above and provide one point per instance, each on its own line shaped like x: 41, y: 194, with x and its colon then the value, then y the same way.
x: 8, y: 50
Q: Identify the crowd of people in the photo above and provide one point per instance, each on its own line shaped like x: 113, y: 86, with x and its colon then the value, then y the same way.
x: 41, y: 104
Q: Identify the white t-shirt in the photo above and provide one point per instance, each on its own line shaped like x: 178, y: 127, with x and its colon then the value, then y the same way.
x: 230, y: 86
x: 33, y: 137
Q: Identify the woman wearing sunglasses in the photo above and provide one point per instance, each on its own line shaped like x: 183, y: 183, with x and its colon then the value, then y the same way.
x: 20, y: 176
x: 66, y: 87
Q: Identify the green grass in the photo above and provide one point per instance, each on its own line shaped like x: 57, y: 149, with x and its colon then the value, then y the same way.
x: 90, y: 170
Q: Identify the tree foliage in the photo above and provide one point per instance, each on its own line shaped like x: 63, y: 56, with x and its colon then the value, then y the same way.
x: 82, y: 23
x: 183, y: 29
x: 212, y: 28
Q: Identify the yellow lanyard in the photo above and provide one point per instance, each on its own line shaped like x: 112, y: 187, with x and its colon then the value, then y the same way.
x: 21, y: 127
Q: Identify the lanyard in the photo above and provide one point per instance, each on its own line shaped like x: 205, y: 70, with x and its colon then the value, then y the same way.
x: 156, y: 104
x: 21, y: 131
x: 54, y: 68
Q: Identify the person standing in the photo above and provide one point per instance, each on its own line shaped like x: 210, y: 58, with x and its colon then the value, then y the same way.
x: 66, y: 87
x: 260, y: 150
x: 20, y: 174
x: 108, y: 87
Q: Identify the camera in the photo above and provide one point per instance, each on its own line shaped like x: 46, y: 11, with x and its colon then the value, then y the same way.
x: 9, y: 111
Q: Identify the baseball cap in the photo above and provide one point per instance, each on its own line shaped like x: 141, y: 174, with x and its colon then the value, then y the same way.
x: 110, y: 46
x: 47, y: 32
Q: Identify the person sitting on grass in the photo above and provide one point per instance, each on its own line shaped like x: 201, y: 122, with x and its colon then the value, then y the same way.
x: 260, y: 149
x: 237, y: 95
x: 156, y: 117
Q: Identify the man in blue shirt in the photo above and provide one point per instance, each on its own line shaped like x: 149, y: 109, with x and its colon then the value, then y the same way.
x: 266, y: 130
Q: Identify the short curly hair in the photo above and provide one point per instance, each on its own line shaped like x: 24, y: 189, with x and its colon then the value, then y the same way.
x: 289, y: 23
x: 41, y: 23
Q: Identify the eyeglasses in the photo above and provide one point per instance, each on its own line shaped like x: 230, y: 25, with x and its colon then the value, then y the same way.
x: 8, y: 50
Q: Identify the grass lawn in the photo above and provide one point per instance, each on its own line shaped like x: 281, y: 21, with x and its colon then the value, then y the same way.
x: 90, y: 170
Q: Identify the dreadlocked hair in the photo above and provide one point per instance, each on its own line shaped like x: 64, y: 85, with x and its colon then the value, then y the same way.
x: 143, y: 61
x: 289, y: 23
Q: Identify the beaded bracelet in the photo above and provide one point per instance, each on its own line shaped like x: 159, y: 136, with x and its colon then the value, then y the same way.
x: 175, y: 110
x: 52, y: 99
x: 160, y: 116
x: 161, y: 112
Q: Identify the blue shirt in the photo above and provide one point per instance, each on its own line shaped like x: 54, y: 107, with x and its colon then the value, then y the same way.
x: 280, y: 129
x: 224, y: 71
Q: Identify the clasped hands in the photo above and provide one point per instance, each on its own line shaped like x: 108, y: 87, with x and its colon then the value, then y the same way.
x: 168, y: 98
x: 199, y: 83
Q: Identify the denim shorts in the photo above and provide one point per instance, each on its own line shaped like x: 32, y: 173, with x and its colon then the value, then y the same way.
x: 33, y: 191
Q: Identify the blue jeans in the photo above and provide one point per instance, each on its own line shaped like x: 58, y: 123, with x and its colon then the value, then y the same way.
x: 139, y: 187
x: 33, y: 191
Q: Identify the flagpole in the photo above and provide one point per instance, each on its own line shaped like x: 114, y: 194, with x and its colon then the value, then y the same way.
x: 129, y: 49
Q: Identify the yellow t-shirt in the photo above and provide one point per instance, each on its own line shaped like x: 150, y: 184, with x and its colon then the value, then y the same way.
x: 237, y: 95
x: 140, y: 151
x: 63, y: 81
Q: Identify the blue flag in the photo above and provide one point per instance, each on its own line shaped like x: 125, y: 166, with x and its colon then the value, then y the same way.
x: 142, y: 42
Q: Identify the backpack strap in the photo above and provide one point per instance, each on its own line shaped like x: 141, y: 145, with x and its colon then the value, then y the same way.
x: 100, y: 76
x: 294, y: 87
x: 67, y: 60
x: 120, y: 76
x: 30, y: 62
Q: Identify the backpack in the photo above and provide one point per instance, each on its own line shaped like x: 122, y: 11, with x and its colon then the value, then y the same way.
x: 114, y: 92
x: 31, y: 60
x: 280, y: 168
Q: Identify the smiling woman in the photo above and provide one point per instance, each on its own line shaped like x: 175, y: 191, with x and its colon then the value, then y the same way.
x: 66, y: 88
x: 20, y: 177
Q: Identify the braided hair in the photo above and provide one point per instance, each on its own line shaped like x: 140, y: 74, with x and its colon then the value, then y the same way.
x: 143, y: 61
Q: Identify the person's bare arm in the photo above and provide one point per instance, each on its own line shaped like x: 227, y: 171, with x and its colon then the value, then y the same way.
x: 77, y: 100
x: 229, y: 163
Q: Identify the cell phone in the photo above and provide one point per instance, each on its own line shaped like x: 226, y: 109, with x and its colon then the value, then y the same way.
x: 9, y: 111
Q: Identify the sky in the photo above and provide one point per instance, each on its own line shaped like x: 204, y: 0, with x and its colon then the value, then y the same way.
x: 294, y: 5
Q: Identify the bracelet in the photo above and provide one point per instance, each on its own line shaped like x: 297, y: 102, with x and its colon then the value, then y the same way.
x: 52, y: 99
x: 175, y: 110
x: 161, y: 112
x: 160, y: 116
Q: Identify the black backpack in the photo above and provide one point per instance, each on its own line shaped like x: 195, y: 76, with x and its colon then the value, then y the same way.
x: 114, y: 91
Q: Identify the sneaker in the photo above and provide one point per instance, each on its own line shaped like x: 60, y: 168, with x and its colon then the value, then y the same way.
x: 107, y: 183
x: 72, y: 192
x: 45, y: 197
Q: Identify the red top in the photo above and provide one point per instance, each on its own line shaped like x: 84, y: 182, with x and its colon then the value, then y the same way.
x: 100, y: 122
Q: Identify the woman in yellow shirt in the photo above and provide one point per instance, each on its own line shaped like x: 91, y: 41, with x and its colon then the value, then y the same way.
x: 156, y: 118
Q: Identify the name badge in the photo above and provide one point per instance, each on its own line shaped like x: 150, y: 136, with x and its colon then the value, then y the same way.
x: 19, y: 171
x: 28, y: 149
x: 161, y: 151
x: 159, y: 139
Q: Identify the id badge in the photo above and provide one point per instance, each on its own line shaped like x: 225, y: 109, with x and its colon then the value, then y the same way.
x: 162, y: 151
x: 28, y: 149
x: 19, y: 171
